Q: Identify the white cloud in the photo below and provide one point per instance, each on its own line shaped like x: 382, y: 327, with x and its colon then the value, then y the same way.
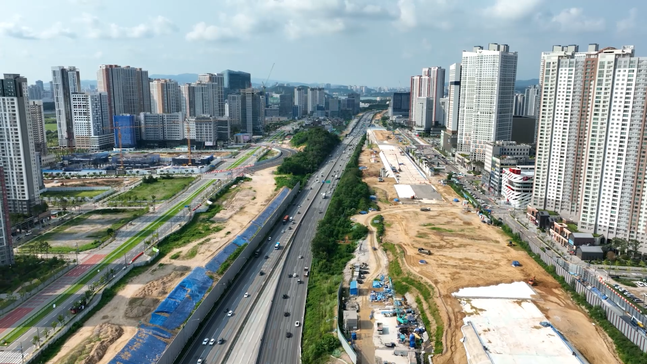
x: 628, y: 23
x: 14, y: 30
x: 204, y: 32
x: 296, y: 29
x: 239, y: 26
x: 571, y: 20
x: 98, y: 29
x: 435, y: 14
x: 512, y: 9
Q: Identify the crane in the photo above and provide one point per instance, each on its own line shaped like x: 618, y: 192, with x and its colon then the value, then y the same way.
x: 268, y: 77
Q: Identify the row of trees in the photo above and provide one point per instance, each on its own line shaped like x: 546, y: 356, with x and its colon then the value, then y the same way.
x: 318, y: 145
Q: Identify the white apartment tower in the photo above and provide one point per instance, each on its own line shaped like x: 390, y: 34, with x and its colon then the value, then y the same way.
x: 453, y: 97
x: 17, y: 152
x: 591, y: 140
x: 205, y: 97
x: 430, y: 85
x: 64, y: 82
x: 486, y: 98
x: 316, y: 97
x: 165, y: 96
x: 92, y: 127
x: 301, y: 100
x: 531, y: 101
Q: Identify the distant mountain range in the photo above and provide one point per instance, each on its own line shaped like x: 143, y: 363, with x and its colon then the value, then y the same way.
x: 193, y: 77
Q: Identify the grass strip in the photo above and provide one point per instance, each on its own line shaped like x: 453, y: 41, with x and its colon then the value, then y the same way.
x: 243, y: 158
x: 114, y: 255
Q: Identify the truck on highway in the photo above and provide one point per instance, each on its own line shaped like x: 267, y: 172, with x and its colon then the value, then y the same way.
x: 277, y: 246
x: 286, y: 218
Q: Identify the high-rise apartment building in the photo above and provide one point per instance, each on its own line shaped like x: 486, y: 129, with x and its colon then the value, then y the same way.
x: 209, y: 130
x: 234, y: 103
x: 449, y: 136
x: 301, y: 100
x: 162, y: 127
x: 124, y: 131
x: 429, y: 85
x: 591, y: 162
x: 486, y: 98
x: 92, y: 127
x: 128, y: 89
x: 316, y: 99
x: 64, y: 82
x: 166, y: 97
x: 400, y: 104
x: 6, y: 246
x: 519, y: 104
x: 236, y: 80
x: 352, y: 103
x: 531, y: 101
x: 18, y: 157
x: 204, y: 98
x: 38, y: 126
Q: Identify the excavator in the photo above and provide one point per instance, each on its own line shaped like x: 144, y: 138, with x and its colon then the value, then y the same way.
x: 532, y: 281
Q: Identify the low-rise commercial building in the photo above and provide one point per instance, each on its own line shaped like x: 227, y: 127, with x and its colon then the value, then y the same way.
x: 568, y: 236
x: 500, y: 155
x: 517, y: 185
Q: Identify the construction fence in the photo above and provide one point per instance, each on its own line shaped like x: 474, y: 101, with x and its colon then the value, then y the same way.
x: 623, y: 314
x: 340, y: 333
x: 269, y: 217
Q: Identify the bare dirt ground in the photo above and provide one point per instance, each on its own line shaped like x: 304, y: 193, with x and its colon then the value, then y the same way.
x: 384, y: 191
x: 143, y: 293
x: 93, y: 348
x: 86, y: 231
x: 468, y: 253
x: 91, y: 182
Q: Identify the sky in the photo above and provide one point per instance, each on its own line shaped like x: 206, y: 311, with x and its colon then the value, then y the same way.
x: 349, y: 42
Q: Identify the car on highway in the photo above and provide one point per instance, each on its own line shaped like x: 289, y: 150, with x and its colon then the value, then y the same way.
x: 212, y: 341
x: 221, y: 341
x: 297, y: 323
x: 285, y: 295
x: 300, y: 256
x: 205, y: 341
x: 261, y: 273
x: 294, y: 275
x: 200, y: 361
x: 230, y: 313
x: 286, y: 314
x: 246, y: 294
x: 288, y: 335
x: 269, y: 239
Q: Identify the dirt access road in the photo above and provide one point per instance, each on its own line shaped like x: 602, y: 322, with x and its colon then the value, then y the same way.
x: 143, y: 293
x: 468, y: 253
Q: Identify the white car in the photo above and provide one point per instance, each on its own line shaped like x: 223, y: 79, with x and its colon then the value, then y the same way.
x: 212, y: 341
x: 205, y: 341
x: 297, y: 324
x: 200, y: 361
x: 246, y: 294
x: 230, y: 313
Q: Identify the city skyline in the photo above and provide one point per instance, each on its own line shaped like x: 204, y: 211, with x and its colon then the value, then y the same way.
x: 340, y: 36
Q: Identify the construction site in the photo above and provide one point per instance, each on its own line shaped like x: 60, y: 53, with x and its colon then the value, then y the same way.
x: 116, y: 328
x: 444, y: 245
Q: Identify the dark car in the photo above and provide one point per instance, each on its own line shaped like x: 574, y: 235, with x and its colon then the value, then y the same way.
x: 285, y: 295
x: 261, y: 273
x: 288, y: 334
x: 286, y: 314
x: 267, y: 257
x: 221, y: 341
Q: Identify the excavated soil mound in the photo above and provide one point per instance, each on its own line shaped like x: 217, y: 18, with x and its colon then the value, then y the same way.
x: 92, y: 349
x: 150, y: 295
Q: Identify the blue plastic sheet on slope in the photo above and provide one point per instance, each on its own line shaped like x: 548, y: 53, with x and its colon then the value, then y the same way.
x: 179, y: 315
x: 157, y: 319
x: 239, y: 241
x: 144, y: 347
x: 191, y: 289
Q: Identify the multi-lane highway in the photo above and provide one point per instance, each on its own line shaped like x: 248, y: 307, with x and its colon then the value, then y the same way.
x: 248, y: 318
x: 276, y: 347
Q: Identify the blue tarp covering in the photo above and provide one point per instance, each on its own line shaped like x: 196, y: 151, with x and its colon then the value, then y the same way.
x: 220, y: 258
x: 180, y: 302
x: 240, y: 241
x: 145, y: 347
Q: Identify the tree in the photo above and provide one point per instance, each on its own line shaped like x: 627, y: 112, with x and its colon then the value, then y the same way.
x: 634, y: 245
x: 46, y: 333
x: 61, y: 319
x: 63, y: 203
x: 88, y: 294
x: 450, y: 175
x: 36, y: 340
x: 54, y: 324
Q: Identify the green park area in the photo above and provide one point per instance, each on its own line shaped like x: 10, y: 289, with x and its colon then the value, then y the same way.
x: 154, y: 189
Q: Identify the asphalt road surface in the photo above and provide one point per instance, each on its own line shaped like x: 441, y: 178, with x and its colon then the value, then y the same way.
x: 276, y: 347
x: 307, y: 209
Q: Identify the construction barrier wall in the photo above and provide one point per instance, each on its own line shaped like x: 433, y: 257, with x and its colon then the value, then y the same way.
x: 340, y: 334
x: 619, y: 310
x: 173, y: 350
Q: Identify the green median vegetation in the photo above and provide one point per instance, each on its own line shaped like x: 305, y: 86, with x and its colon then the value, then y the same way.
x: 297, y: 168
x: 628, y: 352
x: 153, y: 189
x: 332, y: 247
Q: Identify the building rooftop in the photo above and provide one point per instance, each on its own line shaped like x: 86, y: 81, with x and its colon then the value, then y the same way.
x: 590, y: 249
x: 583, y: 235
